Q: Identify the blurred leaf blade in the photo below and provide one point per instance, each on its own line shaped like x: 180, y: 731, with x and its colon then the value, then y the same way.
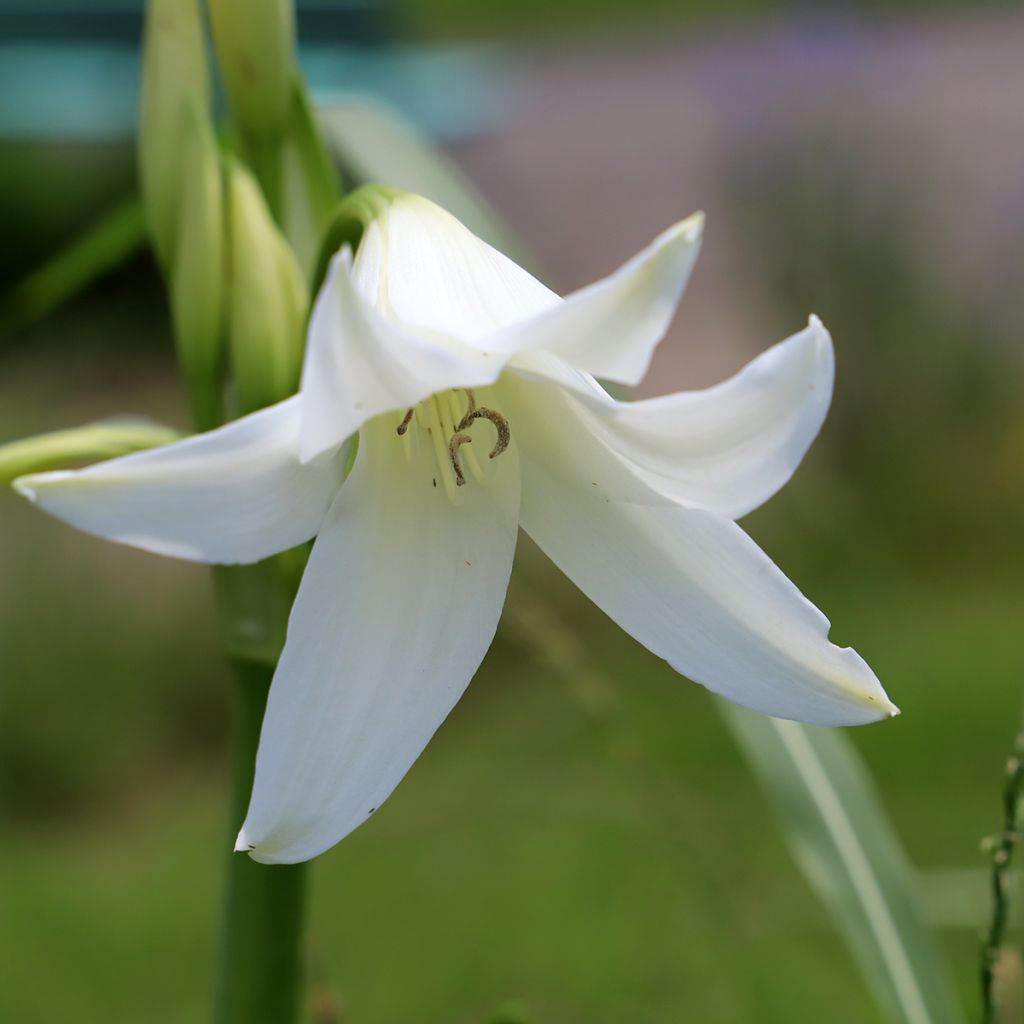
x: 377, y: 145
x: 842, y: 840
x: 114, y: 238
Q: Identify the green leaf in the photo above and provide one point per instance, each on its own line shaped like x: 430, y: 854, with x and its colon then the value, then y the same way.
x: 841, y: 837
x: 115, y: 237
x: 377, y: 145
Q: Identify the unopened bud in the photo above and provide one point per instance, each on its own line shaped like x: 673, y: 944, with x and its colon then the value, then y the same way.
x: 198, y: 272
x: 90, y: 443
x: 268, y: 303
x: 310, y: 185
x: 255, y: 42
x: 173, y: 71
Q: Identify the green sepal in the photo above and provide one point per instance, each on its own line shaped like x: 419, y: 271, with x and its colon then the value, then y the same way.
x: 351, y: 218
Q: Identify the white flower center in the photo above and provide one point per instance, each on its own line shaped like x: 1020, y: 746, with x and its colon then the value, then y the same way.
x: 447, y: 419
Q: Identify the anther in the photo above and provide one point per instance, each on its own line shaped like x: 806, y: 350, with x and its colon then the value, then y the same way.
x: 404, y: 425
x: 457, y: 441
x: 500, y: 425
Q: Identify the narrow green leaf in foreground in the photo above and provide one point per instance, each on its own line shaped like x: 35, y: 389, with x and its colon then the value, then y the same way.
x: 841, y: 837
x: 115, y: 237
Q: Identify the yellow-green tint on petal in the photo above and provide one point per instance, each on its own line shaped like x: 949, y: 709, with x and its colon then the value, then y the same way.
x: 349, y: 221
x: 89, y: 443
x: 174, y: 71
x: 267, y: 308
x: 198, y: 283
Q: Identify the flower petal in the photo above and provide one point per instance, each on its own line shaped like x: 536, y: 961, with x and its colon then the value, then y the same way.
x: 611, y: 328
x: 697, y: 591
x: 235, y: 494
x: 726, y: 449
x: 359, y: 364
x: 396, y: 609
x: 436, y: 275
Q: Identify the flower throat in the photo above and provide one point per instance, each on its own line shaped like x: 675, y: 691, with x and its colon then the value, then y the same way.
x: 444, y: 419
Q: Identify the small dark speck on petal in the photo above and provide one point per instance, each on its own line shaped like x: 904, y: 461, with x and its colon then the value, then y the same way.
x: 251, y: 847
x: 593, y: 483
x: 469, y: 563
x: 371, y: 810
x: 433, y: 480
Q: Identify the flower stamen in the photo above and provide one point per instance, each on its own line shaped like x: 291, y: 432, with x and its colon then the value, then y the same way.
x: 497, y: 420
x: 457, y: 441
x: 404, y: 425
x: 447, y: 424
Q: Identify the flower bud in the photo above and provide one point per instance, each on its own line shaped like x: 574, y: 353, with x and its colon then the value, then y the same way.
x: 310, y: 185
x: 198, y: 277
x: 267, y: 307
x: 255, y: 42
x: 173, y: 71
x: 90, y: 443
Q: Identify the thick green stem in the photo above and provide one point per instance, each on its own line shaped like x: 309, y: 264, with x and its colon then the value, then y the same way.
x: 260, y: 979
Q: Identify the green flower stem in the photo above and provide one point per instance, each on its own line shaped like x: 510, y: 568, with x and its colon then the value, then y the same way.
x: 260, y: 978
x: 1001, y: 849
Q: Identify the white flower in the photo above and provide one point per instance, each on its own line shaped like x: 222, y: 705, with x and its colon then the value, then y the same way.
x: 472, y: 390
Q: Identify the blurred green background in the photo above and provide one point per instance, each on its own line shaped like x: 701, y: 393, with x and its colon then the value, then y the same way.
x: 581, y: 842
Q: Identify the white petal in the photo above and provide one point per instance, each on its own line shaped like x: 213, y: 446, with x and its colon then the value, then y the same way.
x: 436, y: 275
x: 697, y: 591
x: 610, y: 328
x: 396, y: 609
x: 359, y: 364
x: 726, y: 449
x: 235, y: 494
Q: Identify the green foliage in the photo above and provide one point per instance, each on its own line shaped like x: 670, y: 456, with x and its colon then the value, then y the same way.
x: 840, y: 835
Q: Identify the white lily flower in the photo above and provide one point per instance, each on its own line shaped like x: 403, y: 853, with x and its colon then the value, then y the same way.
x: 472, y: 390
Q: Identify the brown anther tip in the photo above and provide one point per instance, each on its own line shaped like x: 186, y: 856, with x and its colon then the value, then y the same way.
x: 404, y: 425
x: 499, y: 423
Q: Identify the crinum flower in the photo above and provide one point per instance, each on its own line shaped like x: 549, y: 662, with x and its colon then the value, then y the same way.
x: 473, y: 392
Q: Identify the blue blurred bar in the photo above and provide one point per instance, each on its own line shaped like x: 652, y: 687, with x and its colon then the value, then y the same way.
x: 70, y: 71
